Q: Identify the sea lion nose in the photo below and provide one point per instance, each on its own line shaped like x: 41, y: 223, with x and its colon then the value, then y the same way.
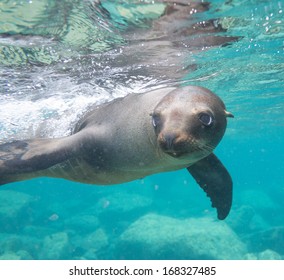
x: 169, y: 140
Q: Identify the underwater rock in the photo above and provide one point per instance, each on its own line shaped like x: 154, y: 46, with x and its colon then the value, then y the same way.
x: 96, y: 240
x: 12, y: 202
x: 55, y: 246
x: 268, y: 210
x: 82, y: 223
x: 269, y: 255
x: 38, y: 231
x: 20, y: 255
x: 245, y: 219
x: 123, y: 203
x: 250, y: 256
x: 161, y: 237
x: 10, y: 242
x: 90, y: 255
x: 272, y: 239
x: 260, y: 201
x: 14, y: 209
x: 265, y: 255
x: 119, y: 209
x: 90, y: 245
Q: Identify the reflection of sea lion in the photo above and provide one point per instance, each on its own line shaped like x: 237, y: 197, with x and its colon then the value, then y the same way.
x: 165, y: 49
x: 132, y: 137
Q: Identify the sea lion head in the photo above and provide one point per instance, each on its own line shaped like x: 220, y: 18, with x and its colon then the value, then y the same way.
x: 189, y: 122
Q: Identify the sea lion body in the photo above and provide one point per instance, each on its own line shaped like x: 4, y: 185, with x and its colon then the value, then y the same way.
x: 130, y: 138
x: 124, y: 146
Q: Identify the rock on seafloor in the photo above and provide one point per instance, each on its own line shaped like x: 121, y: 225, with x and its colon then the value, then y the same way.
x: 14, y: 209
x: 265, y: 255
x: 161, y: 237
x: 55, y: 246
x: 19, y: 255
x: 246, y: 219
x: 92, y: 245
x: 118, y: 210
x: 269, y: 255
x: 272, y: 238
x: 122, y: 204
x: 82, y: 223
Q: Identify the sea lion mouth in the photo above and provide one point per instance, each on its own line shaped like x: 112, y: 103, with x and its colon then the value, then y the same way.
x: 191, y: 151
x: 180, y: 147
x: 176, y: 145
x: 175, y: 154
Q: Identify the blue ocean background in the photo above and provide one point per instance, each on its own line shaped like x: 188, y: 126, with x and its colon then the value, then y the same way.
x: 57, y: 58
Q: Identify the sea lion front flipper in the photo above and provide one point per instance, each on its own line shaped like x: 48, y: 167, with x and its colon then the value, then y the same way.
x: 20, y: 159
x: 216, y: 181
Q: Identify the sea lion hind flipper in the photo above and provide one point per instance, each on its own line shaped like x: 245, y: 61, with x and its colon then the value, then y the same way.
x: 22, y: 158
x: 216, y: 181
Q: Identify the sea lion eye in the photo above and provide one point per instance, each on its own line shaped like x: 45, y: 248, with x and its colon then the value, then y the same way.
x: 206, y: 119
x: 156, y: 120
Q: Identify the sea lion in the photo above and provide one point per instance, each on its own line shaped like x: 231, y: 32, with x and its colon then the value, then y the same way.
x: 132, y: 137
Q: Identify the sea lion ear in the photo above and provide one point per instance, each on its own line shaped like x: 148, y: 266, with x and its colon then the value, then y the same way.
x: 215, y: 180
x: 228, y: 114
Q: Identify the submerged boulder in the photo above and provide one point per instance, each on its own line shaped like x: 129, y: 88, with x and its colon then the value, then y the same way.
x: 82, y: 223
x: 122, y: 204
x: 118, y: 210
x: 265, y: 255
x: 269, y: 255
x: 95, y: 244
x: 55, y: 246
x: 12, y: 202
x: 161, y: 237
x: 19, y: 255
x: 14, y: 209
x: 263, y: 204
x: 245, y: 219
x: 272, y: 239
x: 89, y: 246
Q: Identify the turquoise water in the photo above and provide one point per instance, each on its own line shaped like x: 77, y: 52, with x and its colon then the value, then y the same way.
x: 57, y: 58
